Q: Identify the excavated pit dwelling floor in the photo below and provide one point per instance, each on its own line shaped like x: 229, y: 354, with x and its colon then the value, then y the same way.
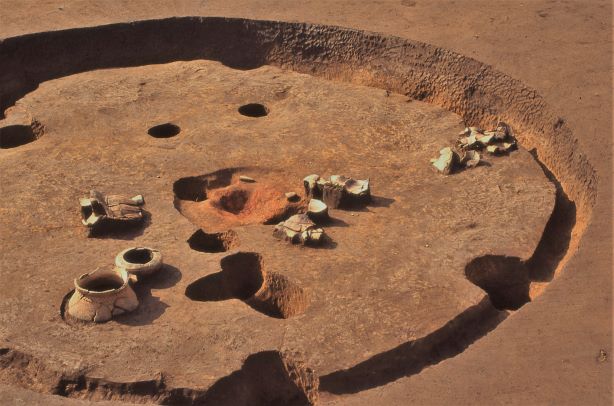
x: 396, y: 270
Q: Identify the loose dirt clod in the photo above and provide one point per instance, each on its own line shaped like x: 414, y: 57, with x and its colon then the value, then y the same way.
x: 299, y: 229
x: 102, y: 212
x: 100, y: 295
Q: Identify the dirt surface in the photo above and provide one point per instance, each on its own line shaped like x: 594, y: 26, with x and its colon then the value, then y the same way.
x: 374, y: 292
x: 540, y: 333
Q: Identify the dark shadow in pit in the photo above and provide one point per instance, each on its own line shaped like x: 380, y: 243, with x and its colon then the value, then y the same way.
x: 213, y: 242
x: 12, y: 136
x: 150, y: 307
x: 121, y: 230
x: 557, y: 233
x: 504, y: 279
x: 166, y: 130
x: 412, y: 357
x: 240, y: 278
x: 262, y: 380
x: 254, y: 110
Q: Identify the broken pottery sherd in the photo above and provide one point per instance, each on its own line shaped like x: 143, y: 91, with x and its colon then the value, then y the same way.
x: 446, y: 161
x: 317, y: 211
x: 100, y: 295
x: 139, y: 261
x: 299, y: 229
x: 100, y: 210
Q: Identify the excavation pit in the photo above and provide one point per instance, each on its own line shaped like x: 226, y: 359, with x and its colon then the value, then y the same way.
x: 254, y: 110
x: 13, y: 136
x: 406, y: 258
x: 228, y: 202
x: 214, y: 242
x: 166, y: 130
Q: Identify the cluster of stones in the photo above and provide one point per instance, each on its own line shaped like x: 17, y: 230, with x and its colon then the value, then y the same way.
x: 107, y: 292
x: 471, y: 140
x: 338, y: 191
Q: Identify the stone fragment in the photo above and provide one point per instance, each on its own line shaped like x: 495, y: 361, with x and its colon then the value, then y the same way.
x: 446, y: 162
x: 292, y: 196
x: 299, y: 229
x: 485, y: 139
x: 469, y: 142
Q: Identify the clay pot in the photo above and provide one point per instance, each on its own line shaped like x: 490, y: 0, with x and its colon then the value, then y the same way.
x: 139, y: 261
x: 102, y: 294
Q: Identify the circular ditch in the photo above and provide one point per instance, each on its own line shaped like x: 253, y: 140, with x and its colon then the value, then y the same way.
x: 254, y: 110
x: 166, y: 130
x: 434, y: 82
